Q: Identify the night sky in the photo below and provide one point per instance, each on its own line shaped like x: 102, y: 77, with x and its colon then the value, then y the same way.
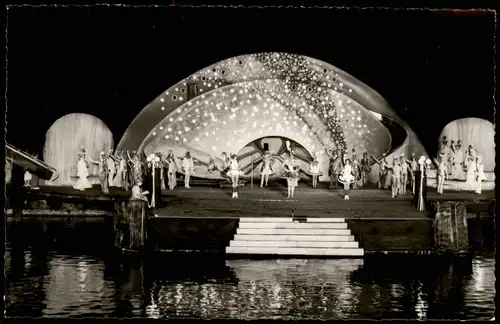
x: 433, y: 67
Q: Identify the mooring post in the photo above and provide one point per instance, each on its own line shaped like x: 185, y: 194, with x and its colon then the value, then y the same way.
x: 130, y: 225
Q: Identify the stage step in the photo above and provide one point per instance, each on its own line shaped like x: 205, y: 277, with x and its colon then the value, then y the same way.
x: 300, y: 244
x: 283, y: 236
x: 294, y: 251
x: 288, y: 220
x: 301, y: 238
x: 297, y: 225
x: 293, y: 231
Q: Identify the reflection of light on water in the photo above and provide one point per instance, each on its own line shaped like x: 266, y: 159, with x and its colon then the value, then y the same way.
x: 276, y: 289
x: 152, y: 310
x: 421, y: 305
x: 82, y: 269
x: 479, y: 275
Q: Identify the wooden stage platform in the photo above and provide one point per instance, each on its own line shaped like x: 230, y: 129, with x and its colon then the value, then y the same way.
x: 216, y: 202
x: 320, y: 202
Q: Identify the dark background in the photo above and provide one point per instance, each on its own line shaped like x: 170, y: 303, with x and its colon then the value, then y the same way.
x: 432, y: 66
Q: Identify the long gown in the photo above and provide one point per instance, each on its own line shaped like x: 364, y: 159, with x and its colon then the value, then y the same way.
x: 83, y: 173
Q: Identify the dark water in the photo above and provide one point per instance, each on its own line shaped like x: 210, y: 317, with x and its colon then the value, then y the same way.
x: 56, y: 284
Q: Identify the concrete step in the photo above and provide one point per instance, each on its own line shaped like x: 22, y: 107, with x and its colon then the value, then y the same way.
x: 300, y: 244
x: 295, y: 251
x: 301, y: 238
x: 292, y: 231
x: 288, y: 220
x: 295, y: 225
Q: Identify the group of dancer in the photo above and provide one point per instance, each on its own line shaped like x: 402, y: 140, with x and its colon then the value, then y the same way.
x: 457, y: 164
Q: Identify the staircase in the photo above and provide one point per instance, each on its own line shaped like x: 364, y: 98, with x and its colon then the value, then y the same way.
x: 282, y: 236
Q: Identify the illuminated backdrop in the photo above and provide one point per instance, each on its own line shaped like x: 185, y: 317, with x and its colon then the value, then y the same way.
x: 226, y: 106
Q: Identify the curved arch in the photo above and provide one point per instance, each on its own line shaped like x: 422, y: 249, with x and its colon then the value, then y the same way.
x: 298, y: 84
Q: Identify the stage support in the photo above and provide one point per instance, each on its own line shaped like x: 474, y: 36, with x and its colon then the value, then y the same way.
x: 130, y: 224
x: 450, y: 227
x: 17, y: 194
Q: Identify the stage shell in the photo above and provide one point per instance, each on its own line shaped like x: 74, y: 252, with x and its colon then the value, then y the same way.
x: 229, y: 104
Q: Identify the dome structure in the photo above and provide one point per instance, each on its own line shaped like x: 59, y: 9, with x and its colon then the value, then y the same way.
x: 231, y: 104
x: 65, y: 139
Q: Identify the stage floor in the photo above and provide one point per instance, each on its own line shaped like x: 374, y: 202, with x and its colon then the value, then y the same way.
x: 216, y: 202
x: 320, y: 202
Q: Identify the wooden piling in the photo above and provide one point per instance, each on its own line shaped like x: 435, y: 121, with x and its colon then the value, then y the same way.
x: 130, y: 224
x: 450, y: 227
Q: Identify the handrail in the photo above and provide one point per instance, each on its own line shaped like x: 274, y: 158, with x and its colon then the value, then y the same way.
x: 55, y: 173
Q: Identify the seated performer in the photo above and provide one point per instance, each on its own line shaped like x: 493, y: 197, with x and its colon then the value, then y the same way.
x: 480, y: 176
x: 314, y: 169
x: 347, y: 177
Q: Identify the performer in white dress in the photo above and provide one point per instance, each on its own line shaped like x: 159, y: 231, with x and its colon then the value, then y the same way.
x: 314, y: 169
x: 457, y: 162
x: 266, y: 168
x: 470, y: 182
x: 234, y: 173
x: 188, y: 167
x: 347, y: 177
x: 480, y: 176
x: 82, y: 173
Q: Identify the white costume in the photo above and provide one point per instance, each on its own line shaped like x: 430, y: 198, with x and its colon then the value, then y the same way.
x: 234, y: 168
x: 82, y: 173
x: 470, y: 182
x: 457, y: 164
x: 111, y: 171
x: 346, y: 175
x: 480, y: 176
x: 187, y: 165
x: 266, y: 167
x: 315, y: 168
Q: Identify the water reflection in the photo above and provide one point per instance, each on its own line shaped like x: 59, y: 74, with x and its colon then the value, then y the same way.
x: 41, y: 284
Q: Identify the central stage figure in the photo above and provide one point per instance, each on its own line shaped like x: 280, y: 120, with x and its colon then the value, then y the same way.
x: 266, y: 168
x: 292, y: 169
x: 234, y: 173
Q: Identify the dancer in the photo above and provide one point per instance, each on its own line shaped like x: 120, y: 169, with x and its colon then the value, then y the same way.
x: 347, y: 177
x: 187, y: 167
x: 422, y: 185
x: 471, y: 153
x: 136, y: 168
x: 110, y: 162
x: 470, y: 181
x: 480, y: 176
x: 451, y: 154
x: 117, y: 180
x: 314, y: 169
x: 27, y: 178
x: 154, y: 163
x: 414, y: 168
x: 291, y: 168
x: 82, y: 172
x: 457, y: 162
x: 123, y: 171
x: 365, y: 169
x: 356, y: 171
x: 334, y: 167
x: 442, y: 175
x: 172, y: 170
x: 266, y: 168
x: 103, y: 172
x: 382, y: 174
x: 404, y: 173
x: 234, y: 173
x: 395, y: 178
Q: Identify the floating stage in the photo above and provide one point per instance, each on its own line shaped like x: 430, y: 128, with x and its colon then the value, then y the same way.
x: 317, y: 223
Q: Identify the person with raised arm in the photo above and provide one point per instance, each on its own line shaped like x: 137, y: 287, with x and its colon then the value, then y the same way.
x: 334, y: 167
x: 457, y: 162
x: 110, y: 162
x: 442, y: 173
x: 413, y: 168
x: 172, y: 170
x: 103, y: 172
x: 234, y: 173
x: 314, y: 169
x: 187, y: 168
x: 382, y: 174
x: 395, y: 178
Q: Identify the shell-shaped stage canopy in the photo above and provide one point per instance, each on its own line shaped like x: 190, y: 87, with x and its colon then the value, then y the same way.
x: 228, y: 105
x: 65, y: 139
x: 479, y: 133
